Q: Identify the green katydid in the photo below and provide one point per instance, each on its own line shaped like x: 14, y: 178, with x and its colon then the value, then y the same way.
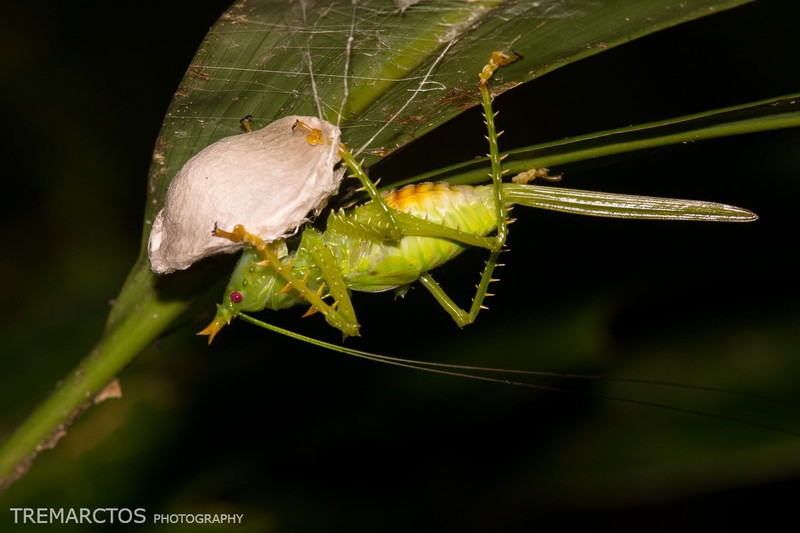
x: 394, y: 240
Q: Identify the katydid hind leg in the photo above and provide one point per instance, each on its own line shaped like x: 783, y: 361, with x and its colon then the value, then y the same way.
x: 461, y: 316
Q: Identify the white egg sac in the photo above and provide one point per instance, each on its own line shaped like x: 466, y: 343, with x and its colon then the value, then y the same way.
x: 268, y: 180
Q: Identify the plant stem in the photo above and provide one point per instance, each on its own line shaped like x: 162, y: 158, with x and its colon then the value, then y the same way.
x: 139, y: 315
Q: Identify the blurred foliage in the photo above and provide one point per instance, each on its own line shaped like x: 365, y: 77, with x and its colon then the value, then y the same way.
x: 298, y: 438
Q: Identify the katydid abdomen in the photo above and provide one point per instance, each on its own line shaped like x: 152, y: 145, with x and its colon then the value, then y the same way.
x: 370, y: 265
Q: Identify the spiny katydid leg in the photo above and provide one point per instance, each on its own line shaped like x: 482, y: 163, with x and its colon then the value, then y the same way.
x: 390, y: 230
x: 393, y: 224
x: 390, y: 227
x: 409, y: 226
x: 497, y: 60
x: 527, y: 176
x: 323, y: 258
x: 462, y: 317
x: 396, y: 224
x: 343, y: 320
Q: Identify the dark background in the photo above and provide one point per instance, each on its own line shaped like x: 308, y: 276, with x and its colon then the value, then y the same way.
x: 349, y: 445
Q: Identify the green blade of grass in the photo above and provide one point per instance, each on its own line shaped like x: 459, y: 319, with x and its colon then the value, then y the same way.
x: 765, y: 115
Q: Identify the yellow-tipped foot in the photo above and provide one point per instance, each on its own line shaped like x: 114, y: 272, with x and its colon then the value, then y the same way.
x: 239, y: 234
x: 314, y: 136
x: 499, y: 59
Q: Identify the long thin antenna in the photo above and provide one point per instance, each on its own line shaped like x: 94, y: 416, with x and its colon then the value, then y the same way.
x: 348, y: 50
x: 310, y: 63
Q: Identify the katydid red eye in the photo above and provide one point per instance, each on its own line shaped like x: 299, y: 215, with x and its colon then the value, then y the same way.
x: 236, y: 297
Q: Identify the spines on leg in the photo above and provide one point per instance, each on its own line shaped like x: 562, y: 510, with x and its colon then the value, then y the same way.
x: 239, y: 234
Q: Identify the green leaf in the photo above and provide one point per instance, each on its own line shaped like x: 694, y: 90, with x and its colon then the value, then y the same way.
x: 379, y: 73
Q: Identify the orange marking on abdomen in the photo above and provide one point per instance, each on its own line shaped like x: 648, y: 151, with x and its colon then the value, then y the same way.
x: 403, y: 199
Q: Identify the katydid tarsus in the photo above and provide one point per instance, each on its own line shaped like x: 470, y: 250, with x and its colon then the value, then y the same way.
x: 395, y: 240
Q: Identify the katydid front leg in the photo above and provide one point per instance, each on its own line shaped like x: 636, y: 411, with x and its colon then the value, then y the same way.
x: 343, y: 321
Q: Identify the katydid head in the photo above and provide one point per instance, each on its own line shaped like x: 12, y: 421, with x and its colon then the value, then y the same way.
x: 253, y: 286
x: 230, y: 308
x: 226, y: 311
x: 234, y: 303
x: 236, y: 298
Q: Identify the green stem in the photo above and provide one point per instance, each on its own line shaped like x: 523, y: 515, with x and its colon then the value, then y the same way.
x: 139, y: 316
